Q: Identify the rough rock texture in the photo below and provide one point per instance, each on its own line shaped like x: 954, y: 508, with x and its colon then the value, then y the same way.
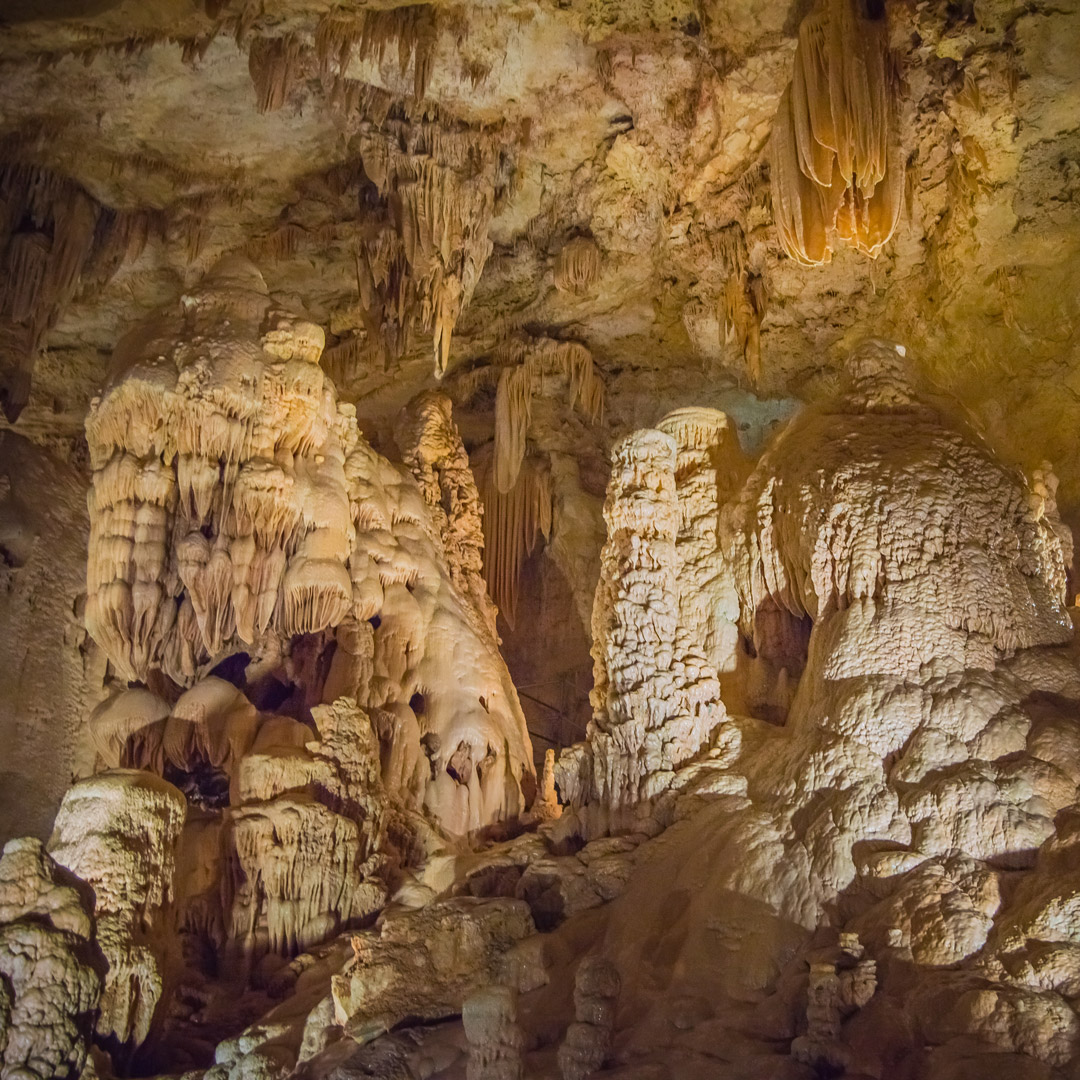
x: 826, y: 813
x: 657, y: 644
x: 463, y: 948
x: 219, y: 508
x: 50, y: 968
x: 118, y: 832
x: 235, y: 506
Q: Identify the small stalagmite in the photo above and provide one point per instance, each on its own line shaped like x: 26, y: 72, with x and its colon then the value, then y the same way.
x: 588, y: 1039
x: 50, y: 966
x: 495, y: 1039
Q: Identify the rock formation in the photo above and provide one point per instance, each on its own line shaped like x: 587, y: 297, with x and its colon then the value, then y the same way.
x: 657, y: 640
x: 489, y: 1017
x: 118, y: 832
x: 51, y: 969
x: 483, y: 595
x: 588, y: 1040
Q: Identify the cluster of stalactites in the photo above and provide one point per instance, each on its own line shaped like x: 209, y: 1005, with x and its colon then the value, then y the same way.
x: 513, y: 522
x: 837, y: 169
x: 218, y: 507
x: 52, y: 236
x: 412, y: 30
x: 527, y: 366
x: 577, y: 266
x: 422, y: 265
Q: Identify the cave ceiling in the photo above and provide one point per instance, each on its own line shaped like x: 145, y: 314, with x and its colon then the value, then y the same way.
x: 641, y: 126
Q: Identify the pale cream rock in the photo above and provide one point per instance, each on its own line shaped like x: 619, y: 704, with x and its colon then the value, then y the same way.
x: 426, y: 963
x: 656, y: 691
x: 458, y: 746
x: 118, y: 831
x: 50, y: 968
x: 218, y: 479
x: 588, y: 1040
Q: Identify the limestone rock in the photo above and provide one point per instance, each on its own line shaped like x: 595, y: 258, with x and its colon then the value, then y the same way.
x: 118, y: 832
x: 50, y: 968
x: 426, y: 963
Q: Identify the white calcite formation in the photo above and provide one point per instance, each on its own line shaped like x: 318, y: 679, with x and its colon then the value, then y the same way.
x: 218, y: 511
x: 118, y: 832
x: 924, y: 781
x: 236, y: 506
x: 659, y: 633
x: 50, y: 968
x: 432, y: 448
x: 419, y: 656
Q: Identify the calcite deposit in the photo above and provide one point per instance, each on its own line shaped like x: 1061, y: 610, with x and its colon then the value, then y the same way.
x: 538, y: 540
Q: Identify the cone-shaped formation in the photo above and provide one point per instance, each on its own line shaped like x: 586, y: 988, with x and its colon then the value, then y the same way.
x: 218, y: 510
x: 975, y: 522
x: 420, y: 659
x: 432, y: 448
x: 837, y: 168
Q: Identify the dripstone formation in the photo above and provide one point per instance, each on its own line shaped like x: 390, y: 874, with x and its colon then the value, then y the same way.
x: 538, y: 541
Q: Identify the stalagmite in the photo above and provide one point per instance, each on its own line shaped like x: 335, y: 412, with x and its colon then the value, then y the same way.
x: 821, y: 1047
x: 50, y: 966
x: 837, y: 168
x: 656, y: 694
x: 437, y: 678
x: 433, y: 450
x: 588, y: 1039
x: 118, y: 831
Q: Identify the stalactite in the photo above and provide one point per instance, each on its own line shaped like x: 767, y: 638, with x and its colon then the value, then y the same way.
x: 742, y: 308
x: 836, y: 161
x: 420, y: 254
x: 52, y: 236
x: 512, y: 413
x: 513, y: 521
x: 522, y: 368
x: 276, y: 66
x: 577, y: 266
